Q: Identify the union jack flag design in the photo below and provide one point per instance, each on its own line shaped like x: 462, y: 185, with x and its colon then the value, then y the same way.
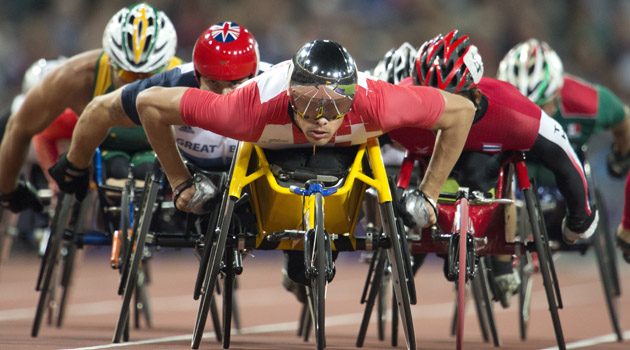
x: 225, y: 32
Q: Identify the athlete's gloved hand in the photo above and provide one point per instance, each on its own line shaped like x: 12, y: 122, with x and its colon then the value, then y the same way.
x: 618, y: 165
x: 201, y: 202
x: 574, y: 230
x: 23, y: 197
x: 70, y: 179
x: 418, y: 209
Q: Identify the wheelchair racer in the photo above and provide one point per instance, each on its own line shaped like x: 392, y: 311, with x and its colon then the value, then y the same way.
x: 77, y: 81
x: 504, y: 120
x: 316, y: 99
x: 581, y: 108
x: 225, y: 55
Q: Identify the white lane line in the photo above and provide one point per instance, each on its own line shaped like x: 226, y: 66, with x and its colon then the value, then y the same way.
x: 608, y: 338
x: 268, y: 328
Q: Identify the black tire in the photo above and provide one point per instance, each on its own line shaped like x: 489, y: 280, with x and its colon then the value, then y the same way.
x: 51, y: 257
x: 212, y: 268
x: 399, y: 277
x: 66, y: 279
x: 228, y: 290
x: 542, y: 249
x: 484, y: 288
x: 377, y: 276
x: 381, y: 305
x: 603, y: 264
x: 138, y: 240
x: 318, y: 282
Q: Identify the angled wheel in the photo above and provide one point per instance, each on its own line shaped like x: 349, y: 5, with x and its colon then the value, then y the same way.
x: 215, y: 255
x: 228, y: 293
x: 400, y: 279
x: 605, y: 272
x: 137, y: 241
x: 380, y: 260
x: 68, y: 253
x: 546, y: 268
x: 524, y: 292
x: 481, y: 290
x: 51, y: 258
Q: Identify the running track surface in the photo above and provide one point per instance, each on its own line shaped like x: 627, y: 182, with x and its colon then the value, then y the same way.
x: 269, y: 314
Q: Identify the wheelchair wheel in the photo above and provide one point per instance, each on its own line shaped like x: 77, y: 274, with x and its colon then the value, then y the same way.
x: 68, y: 253
x: 50, y: 259
x: 399, y: 277
x: 524, y: 292
x: 228, y: 290
x: 381, y: 305
x: 216, y: 251
x: 380, y: 260
x: 139, y: 237
x: 542, y: 250
x: 318, y: 280
x: 481, y: 292
x: 462, y: 271
x: 605, y: 272
x: 125, y: 243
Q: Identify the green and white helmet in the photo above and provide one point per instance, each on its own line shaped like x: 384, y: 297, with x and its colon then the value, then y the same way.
x: 140, y: 39
x: 535, y: 69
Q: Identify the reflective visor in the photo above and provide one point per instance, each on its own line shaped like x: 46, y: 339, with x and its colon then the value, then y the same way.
x: 322, y: 101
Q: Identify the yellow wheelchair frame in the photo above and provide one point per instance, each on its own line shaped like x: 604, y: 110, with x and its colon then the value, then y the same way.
x: 308, y: 228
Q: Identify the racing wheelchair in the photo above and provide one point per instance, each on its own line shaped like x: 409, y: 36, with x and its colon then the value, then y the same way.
x: 308, y: 211
x: 71, y: 229
x: 472, y: 225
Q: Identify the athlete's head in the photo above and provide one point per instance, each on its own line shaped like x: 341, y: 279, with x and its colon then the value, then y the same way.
x: 226, y: 52
x: 535, y: 69
x: 449, y: 63
x: 321, y: 87
x: 140, y: 41
x: 397, y: 64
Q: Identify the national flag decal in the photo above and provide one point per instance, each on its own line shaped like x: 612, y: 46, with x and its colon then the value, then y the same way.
x: 225, y: 32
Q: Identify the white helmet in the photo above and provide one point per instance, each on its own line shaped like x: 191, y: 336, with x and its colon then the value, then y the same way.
x: 140, y: 39
x: 397, y: 64
x: 38, y: 70
x: 33, y: 75
x: 535, y: 69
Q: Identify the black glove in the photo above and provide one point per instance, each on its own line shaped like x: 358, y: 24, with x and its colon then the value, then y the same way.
x: 24, y: 197
x: 70, y: 178
x: 618, y: 165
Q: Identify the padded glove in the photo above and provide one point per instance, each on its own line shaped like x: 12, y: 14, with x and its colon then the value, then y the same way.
x: 70, y: 178
x: 579, y: 230
x: 202, y: 200
x: 23, y: 197
x: 618, y: 165
x: 415, y: 212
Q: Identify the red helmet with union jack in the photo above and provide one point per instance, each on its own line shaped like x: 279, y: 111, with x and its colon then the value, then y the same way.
x: 226, y: 51
x: 449, y: 63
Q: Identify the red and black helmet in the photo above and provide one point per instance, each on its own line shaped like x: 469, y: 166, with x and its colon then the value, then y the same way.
x: 226, y: 51
x: 449, y: 63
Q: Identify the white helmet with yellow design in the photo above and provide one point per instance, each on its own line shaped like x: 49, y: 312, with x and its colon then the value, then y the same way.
x: 140, y: 39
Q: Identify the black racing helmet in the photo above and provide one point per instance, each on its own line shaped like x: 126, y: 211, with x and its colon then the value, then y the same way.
x: 322, y: 80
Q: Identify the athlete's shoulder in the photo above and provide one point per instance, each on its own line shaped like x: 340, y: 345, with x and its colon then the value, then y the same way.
x: 506, y: 95
x: 271, y: 83
x: 76, y: 73
x: 578, y: 97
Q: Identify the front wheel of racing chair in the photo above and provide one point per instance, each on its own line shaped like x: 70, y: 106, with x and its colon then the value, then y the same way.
x: 59, y: 253
x: 261, y: 183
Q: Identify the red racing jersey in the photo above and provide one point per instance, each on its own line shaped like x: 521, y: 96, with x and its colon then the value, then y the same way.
x: 258, y: 110
x: 511, y: 122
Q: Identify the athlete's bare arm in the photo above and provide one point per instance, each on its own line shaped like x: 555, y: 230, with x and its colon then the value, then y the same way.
x: 69, y: 85
x: 452, y: 130
x: 101, y: 114
x: 158, y: 109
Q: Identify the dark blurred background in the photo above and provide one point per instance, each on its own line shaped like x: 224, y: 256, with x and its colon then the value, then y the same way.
x: 591, y: 36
